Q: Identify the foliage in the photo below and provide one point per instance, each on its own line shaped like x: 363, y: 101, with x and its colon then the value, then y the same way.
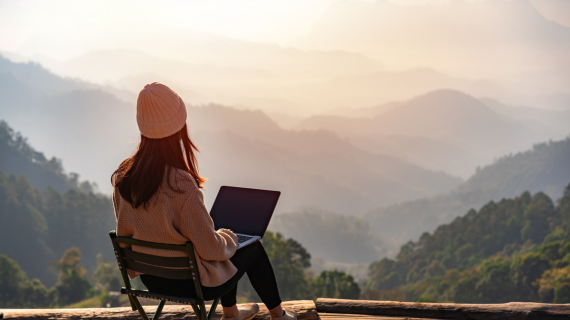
x: 513, y: 250
x: 72, y: 285
x: 336, y: 284
x: 47, y: 222
x: 107, y: 277
x: 290, y: 261
x: 16, y: 290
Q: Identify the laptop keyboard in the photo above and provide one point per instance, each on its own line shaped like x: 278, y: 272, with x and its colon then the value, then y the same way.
x: 242, y: 239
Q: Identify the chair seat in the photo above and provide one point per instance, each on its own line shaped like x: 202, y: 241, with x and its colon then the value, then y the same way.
x: 159, y: 296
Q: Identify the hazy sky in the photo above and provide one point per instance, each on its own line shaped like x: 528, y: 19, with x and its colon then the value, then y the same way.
x: 276, y: 21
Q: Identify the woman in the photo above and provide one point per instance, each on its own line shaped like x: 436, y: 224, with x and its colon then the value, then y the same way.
x: 157, y: 198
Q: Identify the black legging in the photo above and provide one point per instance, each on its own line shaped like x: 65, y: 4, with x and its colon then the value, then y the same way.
x: 251, y: 259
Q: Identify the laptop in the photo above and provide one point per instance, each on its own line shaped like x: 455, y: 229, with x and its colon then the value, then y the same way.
x: 245, y: 211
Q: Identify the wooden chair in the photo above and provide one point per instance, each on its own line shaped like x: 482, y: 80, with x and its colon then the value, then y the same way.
x: 159, y: 266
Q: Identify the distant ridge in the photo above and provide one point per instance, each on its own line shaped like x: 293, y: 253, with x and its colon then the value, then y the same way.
x: 462, y: 132
x: 543, y: 168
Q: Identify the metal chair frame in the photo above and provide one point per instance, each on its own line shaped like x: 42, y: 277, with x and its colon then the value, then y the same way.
x: 162, y: 267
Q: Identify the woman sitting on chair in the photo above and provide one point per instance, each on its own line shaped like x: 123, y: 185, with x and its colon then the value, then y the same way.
x: 157, y: 198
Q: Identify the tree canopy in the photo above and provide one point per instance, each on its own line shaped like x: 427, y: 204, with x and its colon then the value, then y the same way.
x: 512, y: 250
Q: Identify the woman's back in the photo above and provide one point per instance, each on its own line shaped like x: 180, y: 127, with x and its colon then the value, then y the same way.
x: 176, y: 215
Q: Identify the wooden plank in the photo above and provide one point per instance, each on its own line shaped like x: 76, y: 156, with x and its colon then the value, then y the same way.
x: 305, y: 311
x: 505, y: 311
x: 337, y: 316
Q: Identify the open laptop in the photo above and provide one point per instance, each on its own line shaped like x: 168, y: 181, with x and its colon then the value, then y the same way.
x: 245, y: 211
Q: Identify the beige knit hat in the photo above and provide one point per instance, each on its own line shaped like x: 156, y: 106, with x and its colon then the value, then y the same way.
x: 160, y: 111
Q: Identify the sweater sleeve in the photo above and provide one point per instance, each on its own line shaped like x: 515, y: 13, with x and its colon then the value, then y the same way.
x: 197, y: 225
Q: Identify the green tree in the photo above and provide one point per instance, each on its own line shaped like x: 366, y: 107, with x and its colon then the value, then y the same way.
x: 72, y: 285
x: 107, y: 277
x: 336, y: 284
x: 16, y: 290
x: 289, y: 260
x: 562, y: 293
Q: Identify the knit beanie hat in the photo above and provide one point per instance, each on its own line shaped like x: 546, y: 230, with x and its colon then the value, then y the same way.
x: 160, y: 111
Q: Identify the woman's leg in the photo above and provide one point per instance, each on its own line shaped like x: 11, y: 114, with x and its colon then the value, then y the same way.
x: 260, y: 273
x: 251, y: 259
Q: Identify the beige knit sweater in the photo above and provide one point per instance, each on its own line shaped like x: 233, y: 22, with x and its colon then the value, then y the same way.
x: 175, y: 218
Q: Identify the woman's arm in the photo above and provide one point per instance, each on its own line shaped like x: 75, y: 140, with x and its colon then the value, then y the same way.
x: 196, y: 224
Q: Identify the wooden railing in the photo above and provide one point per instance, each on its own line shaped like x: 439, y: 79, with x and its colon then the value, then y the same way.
x: 341, y: 309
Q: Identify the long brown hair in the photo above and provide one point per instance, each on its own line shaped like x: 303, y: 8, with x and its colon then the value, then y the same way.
x: 139, y: 177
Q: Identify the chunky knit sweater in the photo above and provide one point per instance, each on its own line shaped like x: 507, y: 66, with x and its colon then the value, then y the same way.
x: 176, y: 217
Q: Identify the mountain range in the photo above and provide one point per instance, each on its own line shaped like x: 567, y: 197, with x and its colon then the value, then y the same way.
x: 442, y: 130
x: 92, y: 131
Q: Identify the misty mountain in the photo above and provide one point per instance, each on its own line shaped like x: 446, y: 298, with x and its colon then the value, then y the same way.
x: 207, y: 50
x: 113, y: 65
x: 370, y: 89
x: 555, y: 123
x: 332, y: 236
x: 493, y: 38
x: 544, y: 167
x: 93, y: 131
x: 442, y: 130
x: 310, y: 167
x: 77, y: 122
x: 368, y: 112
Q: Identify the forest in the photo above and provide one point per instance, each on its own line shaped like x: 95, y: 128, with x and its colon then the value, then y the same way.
x: 514, y: 249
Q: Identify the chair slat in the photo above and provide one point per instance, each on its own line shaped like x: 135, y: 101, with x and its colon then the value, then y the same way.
x: 158, y: 271
x: 172, y: 262
x: 135, y: 242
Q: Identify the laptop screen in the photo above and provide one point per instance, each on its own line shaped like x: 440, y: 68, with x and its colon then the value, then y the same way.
x: 244, y: 210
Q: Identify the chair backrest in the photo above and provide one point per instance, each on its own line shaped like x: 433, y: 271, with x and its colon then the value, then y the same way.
x: 156, y: 265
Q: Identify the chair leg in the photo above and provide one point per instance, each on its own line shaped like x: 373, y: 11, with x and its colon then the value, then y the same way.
x: 213, y: 308
x: 197, y: 311
x: 133, y: 306
x: 140, y: 308
x: 203, y: 315
x: 159, y: 310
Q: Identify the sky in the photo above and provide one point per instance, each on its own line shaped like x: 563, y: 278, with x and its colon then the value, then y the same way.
x: 266, y: 21
x: 276, y: 21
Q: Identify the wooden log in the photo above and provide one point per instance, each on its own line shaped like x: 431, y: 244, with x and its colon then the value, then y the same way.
x: 305, y: 311
x: 504, y: 311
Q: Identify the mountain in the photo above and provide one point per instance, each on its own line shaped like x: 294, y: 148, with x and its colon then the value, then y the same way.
x: 81, y: 123
x: 368, y: 112
x: 553, y: 122
x: 310, y: 167
x: 510, y: 250
x: 543, y: 168
x: 93, y: 131
x: 199, y: 49
x: 373, y: 88
x: 456, y: 131
x: 491, y: 34
x: 17, y: 157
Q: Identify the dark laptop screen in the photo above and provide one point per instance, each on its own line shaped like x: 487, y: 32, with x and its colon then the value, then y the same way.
x: 244, y: 210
